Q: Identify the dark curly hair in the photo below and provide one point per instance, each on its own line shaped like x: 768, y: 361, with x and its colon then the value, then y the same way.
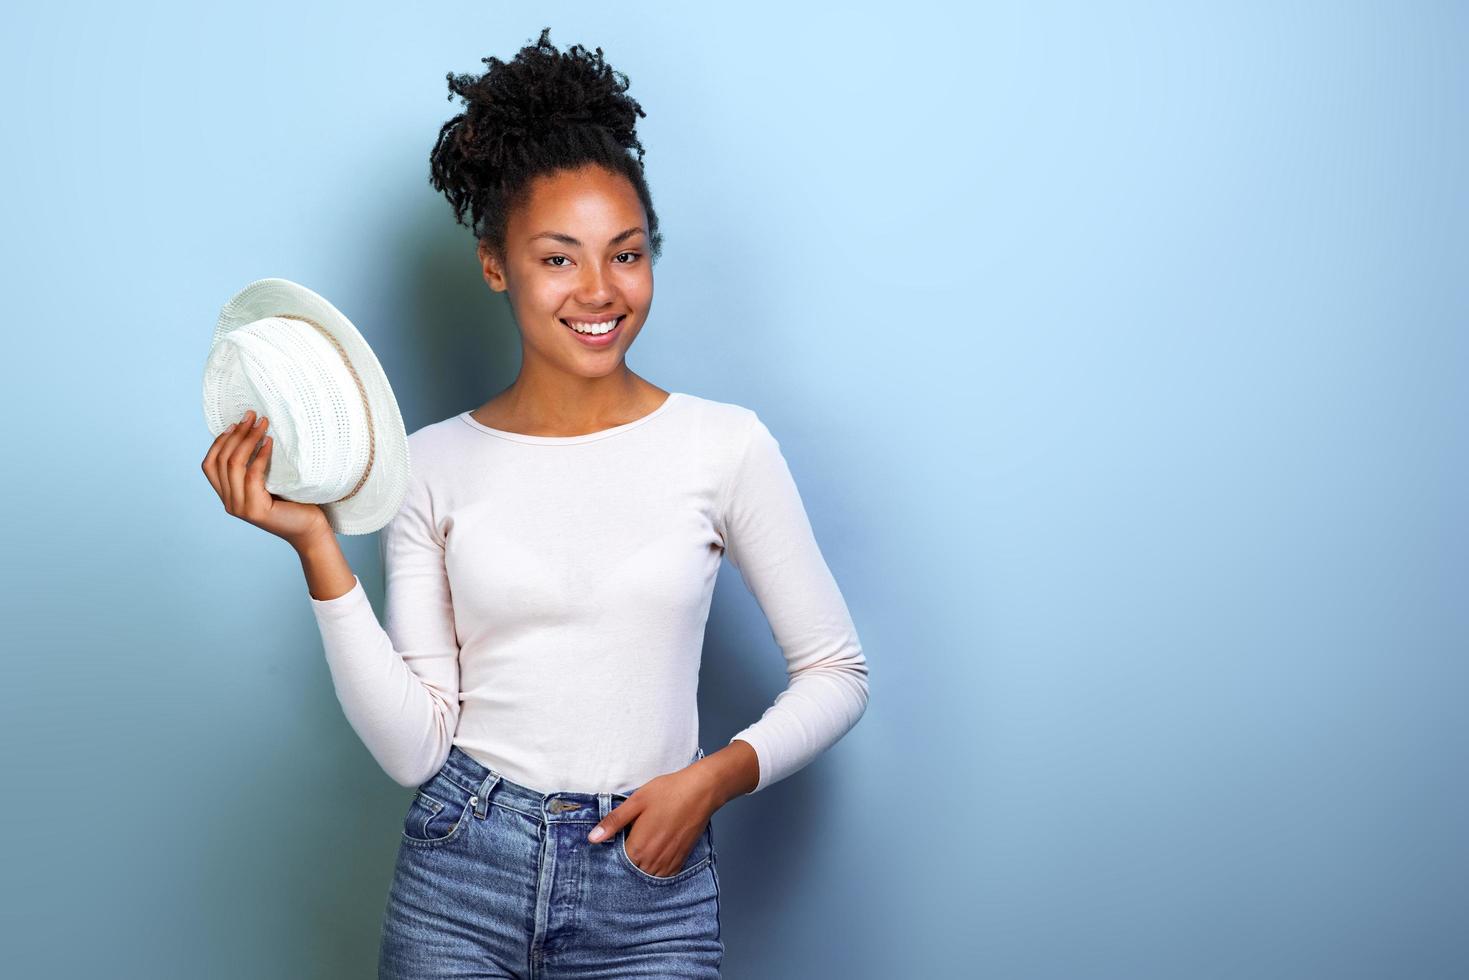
x: 541, y: 113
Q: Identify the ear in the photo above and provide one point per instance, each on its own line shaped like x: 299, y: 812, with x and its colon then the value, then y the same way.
x: 618, y: 817
x: 491, y: 268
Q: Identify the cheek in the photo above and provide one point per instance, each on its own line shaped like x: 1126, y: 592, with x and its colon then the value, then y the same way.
x: 638, y: 290
x: 543, y: 299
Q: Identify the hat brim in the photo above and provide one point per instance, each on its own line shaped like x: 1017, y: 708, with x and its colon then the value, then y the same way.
x: 381, y: 495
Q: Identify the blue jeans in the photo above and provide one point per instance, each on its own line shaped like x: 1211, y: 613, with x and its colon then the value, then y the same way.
x: 494, y: 879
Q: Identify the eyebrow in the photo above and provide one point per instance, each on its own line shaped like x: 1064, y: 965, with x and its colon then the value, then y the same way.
x: 566, y: 239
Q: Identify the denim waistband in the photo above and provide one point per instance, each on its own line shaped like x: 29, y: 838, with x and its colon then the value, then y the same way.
x: 488, y: 785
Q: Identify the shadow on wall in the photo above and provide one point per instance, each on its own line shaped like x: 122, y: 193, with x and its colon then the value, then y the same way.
x: 456, y: 343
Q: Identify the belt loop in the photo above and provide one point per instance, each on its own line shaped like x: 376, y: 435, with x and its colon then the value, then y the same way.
x: 604, y: 806
x: 482, y: 795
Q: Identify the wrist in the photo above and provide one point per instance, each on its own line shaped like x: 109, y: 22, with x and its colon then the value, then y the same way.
x: 315, y: 541
x: 730, y: 772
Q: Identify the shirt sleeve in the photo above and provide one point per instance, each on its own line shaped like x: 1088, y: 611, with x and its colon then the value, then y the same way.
x: 768, y: 538
x: 399, y: 686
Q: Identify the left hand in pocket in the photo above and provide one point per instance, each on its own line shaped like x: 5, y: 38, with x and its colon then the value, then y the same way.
x: 665, y: 817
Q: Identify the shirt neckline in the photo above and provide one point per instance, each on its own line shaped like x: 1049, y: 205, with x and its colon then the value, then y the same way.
x: 570, y: 440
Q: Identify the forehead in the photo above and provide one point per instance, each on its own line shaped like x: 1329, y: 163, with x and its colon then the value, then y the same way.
x: 590, y: 204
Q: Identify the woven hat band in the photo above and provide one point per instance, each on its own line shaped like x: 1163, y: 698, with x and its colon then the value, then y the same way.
x: 361, y: 393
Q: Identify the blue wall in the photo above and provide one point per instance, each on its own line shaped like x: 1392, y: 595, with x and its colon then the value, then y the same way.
x: 1120, y: 355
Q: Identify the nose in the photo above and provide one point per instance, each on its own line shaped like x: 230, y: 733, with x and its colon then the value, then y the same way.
x: 594, y: 288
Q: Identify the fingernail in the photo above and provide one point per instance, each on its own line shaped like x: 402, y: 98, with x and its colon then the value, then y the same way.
x: 597, y: 834
x: 232, y: 427
x: 258, y: 421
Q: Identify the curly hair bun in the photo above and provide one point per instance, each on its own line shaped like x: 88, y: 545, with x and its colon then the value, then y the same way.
x: 542, y: 90
x: 542, y: 111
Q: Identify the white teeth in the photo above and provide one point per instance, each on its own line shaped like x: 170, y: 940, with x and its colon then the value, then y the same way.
x: 595, y: 329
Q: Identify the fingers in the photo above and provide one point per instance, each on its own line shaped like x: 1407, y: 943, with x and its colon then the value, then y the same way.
x: 617, y: 818
x: 214, y: 461
x: 247, y: 433
x: 660, y: 855
x: 210, y: 466
x: 224, y: 463
x: 257, y: 498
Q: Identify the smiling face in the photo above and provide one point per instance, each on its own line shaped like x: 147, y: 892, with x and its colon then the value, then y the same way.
x: 576, y: 253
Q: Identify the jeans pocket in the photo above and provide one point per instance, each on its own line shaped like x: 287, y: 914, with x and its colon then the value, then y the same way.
x: 438, y: 813
x: 698, y: 858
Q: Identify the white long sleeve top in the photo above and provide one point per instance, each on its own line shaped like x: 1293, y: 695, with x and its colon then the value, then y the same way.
x: 546, y: 600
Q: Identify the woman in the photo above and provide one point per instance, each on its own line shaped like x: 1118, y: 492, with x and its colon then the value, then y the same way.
x: 549, y: 576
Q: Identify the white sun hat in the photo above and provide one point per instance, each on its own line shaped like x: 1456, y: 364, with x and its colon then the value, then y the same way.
x: 337, y: 435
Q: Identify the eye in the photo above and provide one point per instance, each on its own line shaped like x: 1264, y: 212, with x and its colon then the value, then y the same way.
x: 552, y: 258
x: 635, y: 256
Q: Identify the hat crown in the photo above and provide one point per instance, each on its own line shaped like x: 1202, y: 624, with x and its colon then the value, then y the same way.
x: 289, y: 371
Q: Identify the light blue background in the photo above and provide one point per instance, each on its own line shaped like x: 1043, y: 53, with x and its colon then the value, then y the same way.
x: 1119, y: 353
